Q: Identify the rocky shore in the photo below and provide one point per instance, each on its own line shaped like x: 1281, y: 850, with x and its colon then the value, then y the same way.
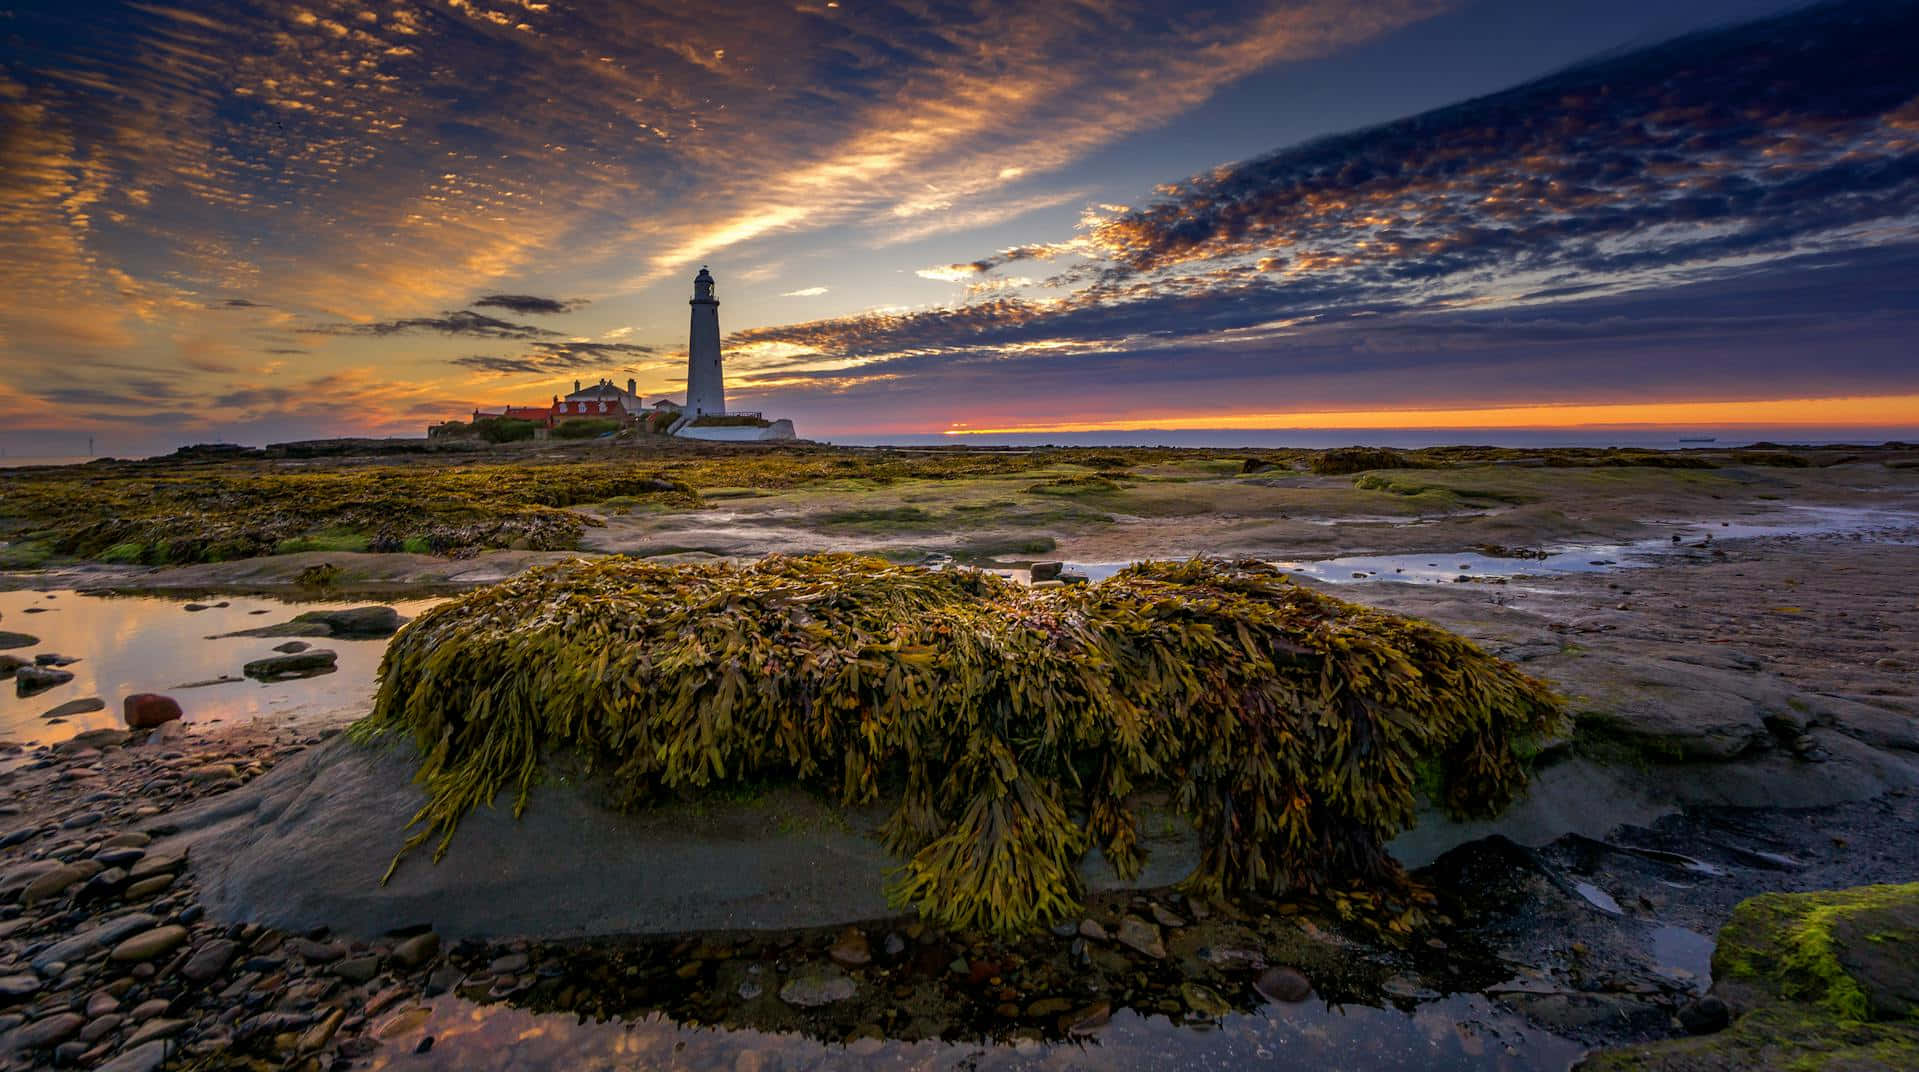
x: 1746, y: 713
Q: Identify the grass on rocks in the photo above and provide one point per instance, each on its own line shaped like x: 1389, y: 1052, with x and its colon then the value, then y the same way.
x: 142, y: 514
x: 1010, y: 727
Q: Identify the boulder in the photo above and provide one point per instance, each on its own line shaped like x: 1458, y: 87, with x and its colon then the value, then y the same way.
x: 305, y: 845
x: 367, y: 622
x: 297, y: 664
x: 351, y: 623
x: 10, y: 663
x: 145, y: 710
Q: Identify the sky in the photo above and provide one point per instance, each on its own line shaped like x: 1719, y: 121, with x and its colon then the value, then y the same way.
x: 256, y: 222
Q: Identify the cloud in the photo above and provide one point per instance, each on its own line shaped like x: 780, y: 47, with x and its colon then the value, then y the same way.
x: 457, y: 322
x: 807, y: 292
x: 556, y: 357
x: 529, y: 305
x: 1711, y: 158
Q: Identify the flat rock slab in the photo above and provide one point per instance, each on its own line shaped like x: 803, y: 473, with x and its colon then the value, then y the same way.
x: 305, y: 845
x: 361, y: 623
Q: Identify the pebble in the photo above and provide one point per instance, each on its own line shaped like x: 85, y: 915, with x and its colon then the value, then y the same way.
x: 1203, y: 1000
x: 360, y: 969
x: 314, y: 952
x: 56, y: 882
x: 15, y: 987
x: 148, y: 887
x: 1090, y: 928
x: 154, y: 943
x: 510, y: 964
x: 144, y: 1058
x: 119, y: 857
x: 1084, y: 1020
x: 852, y: 949
x: 100, y: 1027
x: 1283, y: 984
x: 48, y: 1031
x: 817, y: 985
x: 417, y: 950
x: 210, y: 961
x: 1142, y: 936
x: 155, y: 1029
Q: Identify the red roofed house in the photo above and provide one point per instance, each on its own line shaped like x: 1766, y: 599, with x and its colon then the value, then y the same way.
x: 541, y: 416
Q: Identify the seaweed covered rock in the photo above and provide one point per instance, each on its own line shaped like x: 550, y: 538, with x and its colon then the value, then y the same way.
x: 1012, y: 726
x: 1817, y: 980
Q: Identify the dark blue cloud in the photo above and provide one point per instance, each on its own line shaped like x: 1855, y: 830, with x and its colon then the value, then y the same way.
x: 1770, y: 171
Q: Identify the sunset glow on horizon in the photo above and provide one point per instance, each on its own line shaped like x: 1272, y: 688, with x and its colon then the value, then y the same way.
x: 1889, y: 411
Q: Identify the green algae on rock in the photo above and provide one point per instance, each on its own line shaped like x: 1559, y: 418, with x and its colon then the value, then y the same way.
x: 1820, y: 980
x: 1010, y: 725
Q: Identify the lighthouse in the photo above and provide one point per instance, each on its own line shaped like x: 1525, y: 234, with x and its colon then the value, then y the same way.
x: 705, y: 385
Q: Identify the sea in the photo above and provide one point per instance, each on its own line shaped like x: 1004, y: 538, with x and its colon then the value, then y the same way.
x: 1408, y: 438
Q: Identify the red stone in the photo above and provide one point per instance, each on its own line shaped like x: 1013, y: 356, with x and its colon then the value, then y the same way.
x: 145, y: 710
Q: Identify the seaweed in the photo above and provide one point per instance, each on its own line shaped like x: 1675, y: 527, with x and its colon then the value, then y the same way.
x: 1011, y: 727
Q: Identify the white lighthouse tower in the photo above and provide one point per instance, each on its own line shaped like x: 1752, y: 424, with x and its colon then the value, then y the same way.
x: 705, y: 384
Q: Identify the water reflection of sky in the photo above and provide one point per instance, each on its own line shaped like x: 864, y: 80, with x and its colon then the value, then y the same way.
x: 1429, y: 567
x: 129, y: 644
x: 1463, y: 1032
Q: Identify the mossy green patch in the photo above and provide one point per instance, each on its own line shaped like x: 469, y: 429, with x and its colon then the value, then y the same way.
x: 334, y: 540
x: 1826, y: 981
x: 1012, y: 726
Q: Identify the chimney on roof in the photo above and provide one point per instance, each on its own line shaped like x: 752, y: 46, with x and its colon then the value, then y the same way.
x: 632, y: 387
x: 576, y: 387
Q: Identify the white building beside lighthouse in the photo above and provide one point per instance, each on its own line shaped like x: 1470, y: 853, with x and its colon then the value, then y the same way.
x: 704, y: 415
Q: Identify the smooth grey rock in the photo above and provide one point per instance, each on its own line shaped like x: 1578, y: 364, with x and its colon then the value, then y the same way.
x: 210, y: 961
x: 47, y: 1031
x: 75, y: 707
x: 108, y: 933
x: 306, y: 844
x: 1283, y: 984
x: 816, y: 985
x: 148, y: 945
x: 1142, y: 936
x: 355, y: 623
x: 15, y: 987
x: 143, y: 1058
x: 31, y: 679
x: 299, y: 664
x: 417, y: 950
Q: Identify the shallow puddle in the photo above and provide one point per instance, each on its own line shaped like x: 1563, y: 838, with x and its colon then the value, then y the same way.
x: 129, y: 644
x: 1462, y: 1032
